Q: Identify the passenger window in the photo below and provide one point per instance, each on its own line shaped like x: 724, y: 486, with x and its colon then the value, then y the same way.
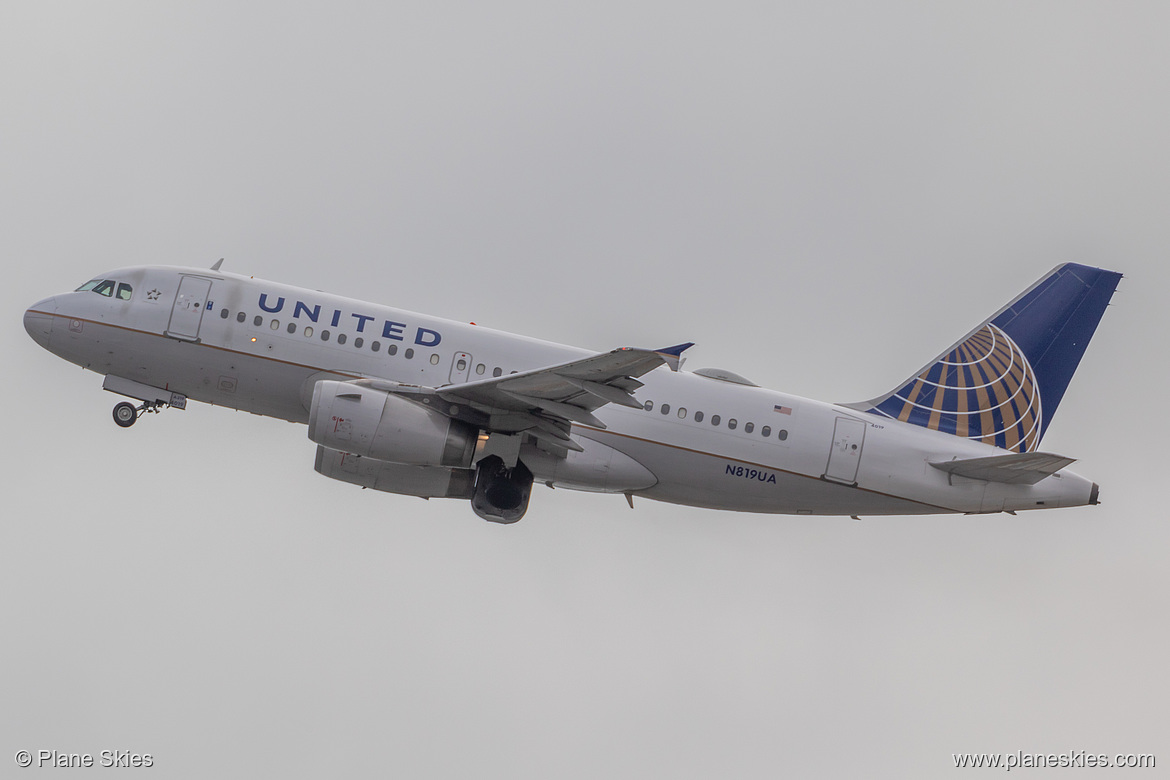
x: 126, y: 292
x: 783, y: 434
x: 392, y: 350
x: 666, y: 409
x: 308, y: 331
x: 682, y: 413
x: 324, y: 335
x: 461, y: 365
x: 375, y: 346
x: 292, y: 327
x: 766, y: 431
x: 258, y: 321
x: 275, y: 325
x: 714, y: 419
x: 241, y: 317
x: 698, y: 417
x: 341, y: 338
x: 105, y: 288
x: 731, y: 424
x: 497, y: 371
x: 357, y: 343
x: 648, y: 406
x: 223, y: 315
x: 409, y: 353
x: 434, y: 358
x: 749, y: 427
x: 480, y: 369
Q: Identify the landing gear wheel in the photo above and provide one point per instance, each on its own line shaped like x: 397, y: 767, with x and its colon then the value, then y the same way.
x: 125, y: 414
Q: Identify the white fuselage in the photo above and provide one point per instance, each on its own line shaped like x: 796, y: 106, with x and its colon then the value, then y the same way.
x: 261, y: 346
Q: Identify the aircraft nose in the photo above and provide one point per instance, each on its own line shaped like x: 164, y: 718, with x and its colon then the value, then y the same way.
x: 38, y: 321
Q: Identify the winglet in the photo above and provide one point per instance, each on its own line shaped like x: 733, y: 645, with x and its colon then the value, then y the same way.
x: 673, y: 355
x: 218, y: 263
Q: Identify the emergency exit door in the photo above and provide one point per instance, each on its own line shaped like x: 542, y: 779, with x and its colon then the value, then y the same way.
x: 460, y: 368
x: 190, y: 303
x: 845, y: 454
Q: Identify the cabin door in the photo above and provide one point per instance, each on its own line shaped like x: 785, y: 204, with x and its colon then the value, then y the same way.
x: 190, y: 303
x: 845, y: 454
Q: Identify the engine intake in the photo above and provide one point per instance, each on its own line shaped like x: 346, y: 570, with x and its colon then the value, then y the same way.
x: 372, y: 423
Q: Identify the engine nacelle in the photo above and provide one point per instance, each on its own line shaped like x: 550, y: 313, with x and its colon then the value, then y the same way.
x: 501, y: 493
x: 422, y: 481
x: 363, y: 421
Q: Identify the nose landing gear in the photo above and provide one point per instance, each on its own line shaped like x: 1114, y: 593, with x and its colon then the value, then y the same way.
x: 126, y: 414
x: 152, y: 398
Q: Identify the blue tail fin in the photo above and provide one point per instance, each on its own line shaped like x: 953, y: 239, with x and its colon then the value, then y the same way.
x: 1002, y: 383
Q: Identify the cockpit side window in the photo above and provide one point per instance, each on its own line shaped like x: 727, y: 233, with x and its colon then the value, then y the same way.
x: 105, y: 287
x: 88, y: 286
x: 125, y: 291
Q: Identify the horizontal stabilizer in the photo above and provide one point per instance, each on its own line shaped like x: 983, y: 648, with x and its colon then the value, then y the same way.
x: 1023, y: 468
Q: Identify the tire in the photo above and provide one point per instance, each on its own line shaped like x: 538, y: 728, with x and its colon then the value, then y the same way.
x: 125, y: 414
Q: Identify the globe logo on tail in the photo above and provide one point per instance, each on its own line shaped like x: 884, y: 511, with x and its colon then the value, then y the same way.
x: 983, y: 389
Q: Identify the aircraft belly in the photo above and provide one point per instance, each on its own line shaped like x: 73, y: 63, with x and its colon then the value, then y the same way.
x: 691, y: 477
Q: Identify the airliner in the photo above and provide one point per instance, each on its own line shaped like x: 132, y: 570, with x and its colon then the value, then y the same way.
x: 407, y: 403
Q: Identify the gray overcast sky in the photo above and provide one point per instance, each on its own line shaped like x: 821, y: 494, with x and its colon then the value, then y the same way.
x: 823, y: 195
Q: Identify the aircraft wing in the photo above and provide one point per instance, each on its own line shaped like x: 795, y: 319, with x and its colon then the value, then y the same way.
x: 1019, y: 468
x: 545, y: 401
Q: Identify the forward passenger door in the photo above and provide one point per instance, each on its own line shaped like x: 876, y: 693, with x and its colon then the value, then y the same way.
x: 187, y: 311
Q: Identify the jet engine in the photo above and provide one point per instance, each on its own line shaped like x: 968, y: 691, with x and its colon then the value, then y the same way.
x: 501, y: 493
x: 358, y: 420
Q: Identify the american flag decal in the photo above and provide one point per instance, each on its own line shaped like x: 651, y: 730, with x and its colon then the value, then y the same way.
x: 782, y: 409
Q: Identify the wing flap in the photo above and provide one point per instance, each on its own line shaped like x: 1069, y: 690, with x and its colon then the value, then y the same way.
x: 1023, y: 468
x: 568, y: 411
x: 607, y: 393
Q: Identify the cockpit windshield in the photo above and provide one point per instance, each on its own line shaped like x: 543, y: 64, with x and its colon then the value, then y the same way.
x: 107, y: 288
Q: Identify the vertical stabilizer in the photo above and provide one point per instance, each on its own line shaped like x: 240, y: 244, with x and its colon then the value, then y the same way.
x: 1003, y: 382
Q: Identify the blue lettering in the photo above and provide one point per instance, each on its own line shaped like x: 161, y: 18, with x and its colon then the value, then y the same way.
x: 336, y: 318
x: 747, y: 473
x: 312, y: 313
x: 418, y: 339
x: 362, y: 320
x: 393, y: 330
x: 264, y: 303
